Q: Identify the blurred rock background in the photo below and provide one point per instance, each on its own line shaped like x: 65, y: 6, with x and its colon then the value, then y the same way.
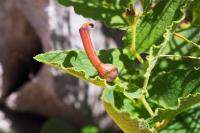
x: 30, y: 92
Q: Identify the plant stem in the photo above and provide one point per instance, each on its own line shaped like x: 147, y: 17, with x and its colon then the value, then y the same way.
x: 185, y: 39
x: 139, y: 58
x: 180, y: 57
x: 146, y: 105
x: 133, y: 29
x: 146, y: 80
x: 134, y: 52
x: 133, y: 41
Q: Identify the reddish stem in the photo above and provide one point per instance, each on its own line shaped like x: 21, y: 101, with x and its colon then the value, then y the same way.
x: 107, y: 71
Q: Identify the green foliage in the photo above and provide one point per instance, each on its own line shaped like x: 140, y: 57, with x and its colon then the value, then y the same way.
x: 72, y: 62
x: 90, y: 129
x: 77, y: 64
x: 147, y: 96
x: 147, y: 5
x: 180, y: 47
x: 175, y: 84
x: 108, y: 11
x: 184, y: 103
x: 153, y: 25
x: 195, y: 9
x: 56, y: 125
x: 185, y: 122
x: 123, y: 111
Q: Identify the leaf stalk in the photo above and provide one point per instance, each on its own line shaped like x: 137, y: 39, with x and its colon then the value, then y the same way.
x: 185, y: 39
x: 179, y: 57
x: 146, y: 105
x: 133, y: 41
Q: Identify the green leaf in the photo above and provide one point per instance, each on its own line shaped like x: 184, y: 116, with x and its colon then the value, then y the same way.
x: 175, y: 85
x: 150, y: 29
x: 177, y: 46
x: 195, y: 9
x: 107, y: 11
x: 183, y: 104
x: 90, y: 129
x: 124, y: 111
x: 168, y: 70
x: 151, y: 62
x: 168, y: 87
x: 55, y: 125
x: 153, y: 25
x: 186, y: 122
x: 76, y: 63
x: 147, y: 5
x: 73, y: 63
x: 175, y: 91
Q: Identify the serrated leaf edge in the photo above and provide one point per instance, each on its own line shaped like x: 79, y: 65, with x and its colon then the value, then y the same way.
x: 180, y: 101
x: 58, y: 65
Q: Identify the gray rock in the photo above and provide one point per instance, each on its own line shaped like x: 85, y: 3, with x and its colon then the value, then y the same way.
x: 30, y: 27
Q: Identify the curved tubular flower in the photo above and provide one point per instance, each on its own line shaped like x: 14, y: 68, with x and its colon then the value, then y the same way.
x: 106, y: 71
